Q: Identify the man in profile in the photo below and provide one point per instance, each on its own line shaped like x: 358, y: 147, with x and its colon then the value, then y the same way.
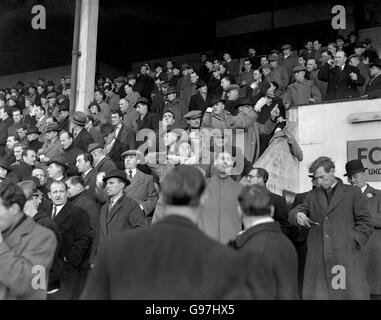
x: 187, y: 264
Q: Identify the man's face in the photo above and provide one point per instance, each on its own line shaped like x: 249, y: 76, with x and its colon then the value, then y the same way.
x: 195, y: 123
x: 30, y: 158
x: 209, y: 65
x: 6, y: 217
x: 63, y: 114
x: 17, y: 151
x: 53, y: 171
x: 331, y: 48
x: 81, y: 165
x: 168, y: 118
x: 194, y: 77
x: 203, y: 90
x: 257, y: 75
x: 264, y: 61
x: 309, y: 45
x: 286, y: 52
x: 354, y: 62
x: 58, y: 194
x: 130, y: 162
x: 311, y: 65
x: 124, y: 105
x: 224, y: 163
x: 169, y: 138
x: 218, y: 108
x: 233, y: 95
x: 32, y: 136
x: 176, y: 71
x: 254, y: 178
x: 143, y: 70
x: 247, y: 66
x: 66, y: 141
x: 97, y: 96
x: 40, y: 90
x: 299, y: 76
x: 357, y: 180
x: 374, y: 71
x: 273, y: 64
x: 39, y: 113
x: 72, y: 190
x: 317, y: 45
x: 114, y: 186
x: 40, y: 174
x: 51, y: 135
x: 340, y: 58
x: 115, y: 119
x: 11, y: 142
x: 16, y: 116
x: 324, y: 179
x: 301, y: 61
x: 171, y: 97
x: 21, y: 133
x: 141, y: 108
x: 251, y: 52
x: 225, y: 83
x: 359, y: 51
x: 339, y: 42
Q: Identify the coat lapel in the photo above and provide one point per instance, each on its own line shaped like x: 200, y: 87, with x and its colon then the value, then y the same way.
x: 114, y: 209
x: 15, y: 237
x: 136, y: 181
x: 337, y: 197
x: 62, y: 216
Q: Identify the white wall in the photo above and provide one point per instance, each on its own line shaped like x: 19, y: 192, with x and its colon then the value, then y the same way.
x: 324, y: 129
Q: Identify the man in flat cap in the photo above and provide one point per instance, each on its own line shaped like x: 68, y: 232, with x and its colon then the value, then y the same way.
x: 141, y: 187
x: 288, y: 59
x: 356, y: 174
x: 232, y: 96
x: 82, y: 139
x: 63, y: 116
x: 112, y: 98
x: 53, y: 107
x: 175, y: 105
x: 302, y: 91
x: 119, y: 89
x: 356, y: 61
x: 282, y: 71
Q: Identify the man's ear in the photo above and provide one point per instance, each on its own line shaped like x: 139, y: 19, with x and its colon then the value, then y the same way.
x: 272, y: 210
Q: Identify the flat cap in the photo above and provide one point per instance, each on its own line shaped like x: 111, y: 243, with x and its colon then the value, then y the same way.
x: 286, y: 46
x: 193, y: 114
x: 376, y: 63
x: 299, y: 68
x: 32, y: 129
x: 52, y: 127
x: 143, y: 100
x: 50, y: 83
x: 273, y: 58
x: 200, y: 84
x: 171, y: 90
x: 52, y: 94
x: 136, y: 153
x: 354, y: 56
x: 94, y: 146
x: 119, y: 79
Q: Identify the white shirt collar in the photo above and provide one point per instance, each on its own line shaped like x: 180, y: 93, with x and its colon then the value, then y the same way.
x: 114, y: 200
x: 85, y: 174
x: 133, y: 171
x: 364, y: 188
x: 58, y: 208
x: 257, y: 222
x: 95, y: 164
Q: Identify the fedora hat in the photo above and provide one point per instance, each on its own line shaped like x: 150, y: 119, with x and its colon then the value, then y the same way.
x: 143, y: 100
x: 52, y: 127
x: 352, y: 167
x: 120, y: 174
x: 58, y: 160
x: 171, y: 90
x: 32, y: 129
x: 94, y: 146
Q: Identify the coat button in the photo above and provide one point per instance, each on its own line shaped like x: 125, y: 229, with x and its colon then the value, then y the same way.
x: 326, y: 218
x: 327, y: 235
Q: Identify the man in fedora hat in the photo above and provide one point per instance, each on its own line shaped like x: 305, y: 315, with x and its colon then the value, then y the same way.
x: 176, y: 105
x: 356, y: 174
x: 82, y: 139
x: 63, y: 115
x: 288, y: 59
x: 52, y: 146
x: 277, y: 68
x: 373, y: 88
x: 32, y: 135
x: 199, y: 100
x: 119, y: 213
x: 56, y: 168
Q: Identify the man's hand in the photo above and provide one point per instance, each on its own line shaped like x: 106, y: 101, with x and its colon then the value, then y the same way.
x: 312, y: 100
x: 243, y: 83
x: 353, y: 76
x: 210, y: 109
x: 100, y: 177
x: 274, y: 113
x: 302, y: 220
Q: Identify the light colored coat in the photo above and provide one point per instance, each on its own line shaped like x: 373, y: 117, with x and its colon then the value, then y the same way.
x: 300, y: 92
x: 28, y: 246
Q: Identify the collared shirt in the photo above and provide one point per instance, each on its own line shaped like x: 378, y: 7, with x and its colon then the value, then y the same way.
x: 58, y: 210
x: 87, y: 172
x: 109, y: 146
x: 364, y: 188
x: 132, y: 171
x: 114, y: 200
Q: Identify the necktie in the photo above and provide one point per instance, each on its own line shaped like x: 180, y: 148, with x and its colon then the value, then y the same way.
x: 54, y: 211
x: 328, y: 193
x: 130, y: 174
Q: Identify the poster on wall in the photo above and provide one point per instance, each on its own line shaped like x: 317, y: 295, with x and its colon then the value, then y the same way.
x: 369, y: 152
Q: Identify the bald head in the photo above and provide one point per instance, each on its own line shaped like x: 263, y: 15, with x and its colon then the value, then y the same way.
x: 340, y: 58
